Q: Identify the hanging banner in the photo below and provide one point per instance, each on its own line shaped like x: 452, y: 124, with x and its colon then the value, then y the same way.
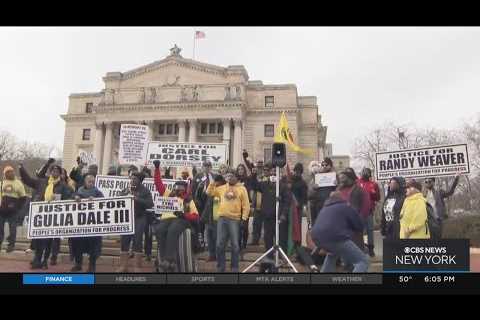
x: 445, y: 160
x: 184, y: 154
x: 133, y: 144
x: 88, y: 218
x: 112, y: 186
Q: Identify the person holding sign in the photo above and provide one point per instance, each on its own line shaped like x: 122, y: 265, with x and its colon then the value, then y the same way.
x: 172, y: 224
x: 234, y: 208
x: 320, y: 189
x: 46, y: 189
x: 142, y: 198
x: 436, y: 198
x: 413, y: 217
x: 90, y: 245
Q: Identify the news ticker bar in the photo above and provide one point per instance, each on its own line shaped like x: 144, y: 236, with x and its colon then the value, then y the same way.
x: 202, y: 279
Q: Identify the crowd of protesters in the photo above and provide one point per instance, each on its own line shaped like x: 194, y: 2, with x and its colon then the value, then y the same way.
x: 218, y: 205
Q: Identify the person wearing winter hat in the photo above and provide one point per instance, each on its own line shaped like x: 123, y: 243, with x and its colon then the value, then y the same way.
x: 413, y: 216
x: 392, y: 205
x: 12, y: 197
x: 142, y: 198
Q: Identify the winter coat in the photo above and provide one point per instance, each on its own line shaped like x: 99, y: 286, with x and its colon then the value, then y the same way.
x: 392, y: 205
x: 336, y: 222
x: 268, y: 191
x: 413, y: 218
x: 357, y: 198
x: 372, y: 189
x: 143, y: 200
x: 300, y: 190
x: 440, y: 195
x: 317, y: 197
x: 40, y: 185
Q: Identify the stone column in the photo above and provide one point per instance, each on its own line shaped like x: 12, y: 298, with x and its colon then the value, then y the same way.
x: 107, y: 149
x: 182, y: 133
x: 238, y: 145
x: 151, y: 128
x: 99, y: 139
x: 193, y: 130
x: 227, y: 122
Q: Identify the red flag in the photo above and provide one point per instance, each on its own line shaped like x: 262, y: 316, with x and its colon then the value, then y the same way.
x: 199, y: 34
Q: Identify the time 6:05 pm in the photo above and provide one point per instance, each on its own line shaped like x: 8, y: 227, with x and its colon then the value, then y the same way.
x: 438, y: 279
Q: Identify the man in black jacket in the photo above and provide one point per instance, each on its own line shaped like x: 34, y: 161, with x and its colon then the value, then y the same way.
x: 318, y: 195
x: 392, y: 205
x: 142, y: 201
x: 436, y: 198
x: 41, y: 186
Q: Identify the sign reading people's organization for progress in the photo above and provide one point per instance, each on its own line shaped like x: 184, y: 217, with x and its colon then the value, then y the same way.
x: 445, y: 160
x: 185, y: 154
x: 133, y: 144
x: 112, y: 186
x: 88, y: 218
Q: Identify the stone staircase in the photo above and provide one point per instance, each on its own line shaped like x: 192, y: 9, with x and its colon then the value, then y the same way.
x: 111, y: 251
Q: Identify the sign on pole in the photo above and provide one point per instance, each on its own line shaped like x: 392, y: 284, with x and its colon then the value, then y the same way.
x: 87, y: 157
x: 69, y: 218
x: 112, y: 186
x: 184, y: 154
x: 445, y: 160
x: 133, y: 144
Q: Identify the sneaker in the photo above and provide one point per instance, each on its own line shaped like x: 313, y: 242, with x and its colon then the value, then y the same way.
x: 10, y: 248
x: 148, y: 258
x: 45, y: 265
x: 371, y: 252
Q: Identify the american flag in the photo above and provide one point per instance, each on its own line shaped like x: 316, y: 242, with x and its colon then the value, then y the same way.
x: 199, y: 34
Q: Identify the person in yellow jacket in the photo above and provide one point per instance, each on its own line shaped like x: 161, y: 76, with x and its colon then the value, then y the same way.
x: 233, y: 209
x: 413, y: 216
x: 12, y: 198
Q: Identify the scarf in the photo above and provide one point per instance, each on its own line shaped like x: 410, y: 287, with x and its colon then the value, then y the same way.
x: 49, y: 195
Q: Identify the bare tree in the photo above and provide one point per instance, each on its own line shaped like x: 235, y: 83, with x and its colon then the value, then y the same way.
x: 8, y: 145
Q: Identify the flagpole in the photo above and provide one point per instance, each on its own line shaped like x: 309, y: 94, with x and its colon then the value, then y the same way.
x: 193, y: 46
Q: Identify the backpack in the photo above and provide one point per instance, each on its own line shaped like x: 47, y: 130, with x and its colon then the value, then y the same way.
x: 432, y: 224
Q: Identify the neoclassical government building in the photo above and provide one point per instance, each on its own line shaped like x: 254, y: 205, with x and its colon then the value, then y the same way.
x: 183, y: 100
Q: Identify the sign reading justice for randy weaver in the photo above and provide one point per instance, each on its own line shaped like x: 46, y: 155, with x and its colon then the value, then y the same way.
x: 69, y: 218
x: 446, y: 160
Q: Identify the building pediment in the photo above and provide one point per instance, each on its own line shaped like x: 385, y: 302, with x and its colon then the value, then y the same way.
x: 174, y: 70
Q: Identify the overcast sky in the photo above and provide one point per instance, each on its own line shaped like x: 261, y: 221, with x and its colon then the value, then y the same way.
x: 362, y: 76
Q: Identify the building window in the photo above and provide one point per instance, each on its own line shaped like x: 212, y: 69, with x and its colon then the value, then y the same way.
x: 211, y: 128
x: 267, y: 155
x: 269, y: 130
x: 161, y: 129
x: 269, y: 101
x: 89, y: 107
x: 86, y: 134
x: 169, y: 129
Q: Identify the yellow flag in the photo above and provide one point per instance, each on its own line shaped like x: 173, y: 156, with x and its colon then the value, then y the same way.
x: 285, y: 136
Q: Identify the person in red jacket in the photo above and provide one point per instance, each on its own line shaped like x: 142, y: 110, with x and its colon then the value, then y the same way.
x: 371, y: 187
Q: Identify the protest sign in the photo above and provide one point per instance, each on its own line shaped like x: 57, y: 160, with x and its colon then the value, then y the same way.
x: 87, y: 157
x: 69, y: 218
x: 184, y: 154
x: 133, y: 144
x: 168, y: 204
x: 328, y: 179
x: 111, y: 186
x: 445, y: 160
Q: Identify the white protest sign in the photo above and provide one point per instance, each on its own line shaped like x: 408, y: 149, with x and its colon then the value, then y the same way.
x: 184, y: 154
x: 133, y: 144
x: 69, y: 218
x: 328, y: 179
x: 87, y: 157
x: 445, y: 160
x: 112, y: 186
x: 168, y: 204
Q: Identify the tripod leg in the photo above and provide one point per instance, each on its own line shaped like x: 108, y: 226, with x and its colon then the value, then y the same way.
x: 258, y: 260
x: 288, y: 260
